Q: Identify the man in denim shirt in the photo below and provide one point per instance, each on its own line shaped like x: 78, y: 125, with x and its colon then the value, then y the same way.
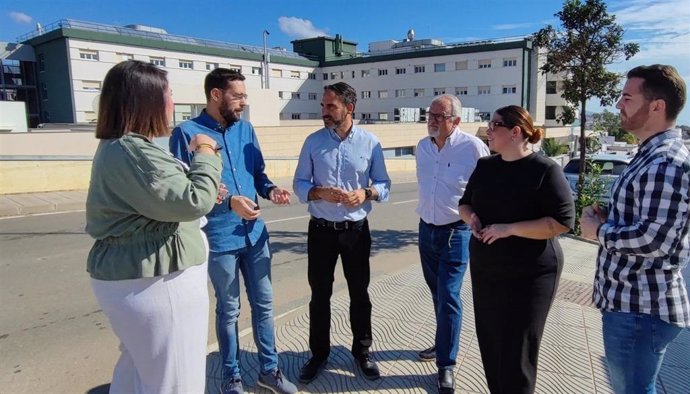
x: 237, y: 236
x: 340, y: 171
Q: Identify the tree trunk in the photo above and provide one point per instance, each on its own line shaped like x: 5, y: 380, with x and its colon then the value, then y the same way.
x: 583, y: 148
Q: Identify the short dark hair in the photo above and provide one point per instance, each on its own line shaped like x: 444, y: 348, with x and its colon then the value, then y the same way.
x: 662, y: 82
x: 133, y: 99
x: 345, y: 92
x: 219, y: 78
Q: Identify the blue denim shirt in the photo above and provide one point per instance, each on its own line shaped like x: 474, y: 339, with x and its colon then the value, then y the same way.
x: 243, y: 174
x: 353, y: 163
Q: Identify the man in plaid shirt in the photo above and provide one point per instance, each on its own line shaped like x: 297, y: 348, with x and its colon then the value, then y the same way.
x: 643, y: 239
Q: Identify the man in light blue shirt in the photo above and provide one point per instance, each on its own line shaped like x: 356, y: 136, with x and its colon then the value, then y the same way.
x: 340, y: 171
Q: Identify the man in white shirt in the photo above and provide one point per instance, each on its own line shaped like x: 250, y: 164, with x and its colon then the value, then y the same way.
x: 445, y: 160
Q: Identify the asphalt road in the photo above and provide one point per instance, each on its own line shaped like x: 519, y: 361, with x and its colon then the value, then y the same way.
x: 55, y: 339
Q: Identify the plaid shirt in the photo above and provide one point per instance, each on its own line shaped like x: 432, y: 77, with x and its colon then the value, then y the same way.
x: 644, y: 241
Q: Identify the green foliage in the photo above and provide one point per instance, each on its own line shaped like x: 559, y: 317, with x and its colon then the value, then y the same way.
x: 609, y: 123
x: 590, y: 193
x: 551, y: 147
x: 589, y: 40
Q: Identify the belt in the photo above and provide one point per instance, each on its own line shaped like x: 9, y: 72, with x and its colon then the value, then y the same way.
x: 344, y: 225
x: 459, y: 222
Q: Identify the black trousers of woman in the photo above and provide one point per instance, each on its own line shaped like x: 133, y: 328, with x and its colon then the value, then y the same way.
x: 510, y: 313
x: 353, y: 245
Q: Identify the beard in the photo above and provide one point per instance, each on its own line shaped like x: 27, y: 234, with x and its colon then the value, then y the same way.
x: 635, y: 121
x: 433, y: 133
x: 332, y: 123
x: 228, y: 115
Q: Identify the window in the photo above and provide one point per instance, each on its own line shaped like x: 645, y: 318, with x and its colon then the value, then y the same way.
x: 365, y: 73
x: 399, y: 92
x: 485, y: 63
x: 312, y: 96
x: 509, y: 89
x: 257, y: 71
x: 294, y: 74
x: 91, y: 85
x: 325, y: 76
x: 366, y: 116
x: 44, y: 91
x: 383, y: 94
x: 311, y: 76
x: 158, y: 61
x: 211, y: 66
x: 334, y: 75
x: 419, y: 69
x: 509, y: 62
x: 419, y: 92
x: 461, y: 91
x: 276, y: 73
x: 550, y: 113
x: 353, y: 74
x: 90, y: 116
x: 366, y: 94
x: 383, y: 71
x: 439, y: 67
x: 296, y: 95
x: 461, y: 65
x: 283, y: 95
x: 551, y: 87
x: 235, y: 67
x: 383, y: 115
x: 188, y: 64
x: 85, y: 54
x: 400, y: 70
x: 123, y: 57
x: 41, y: 62
x: 296, y: 116
x: 439, y: 91
x: 482, y: 90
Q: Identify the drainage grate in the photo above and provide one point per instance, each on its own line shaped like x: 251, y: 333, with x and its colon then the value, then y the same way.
x: 576, y: 292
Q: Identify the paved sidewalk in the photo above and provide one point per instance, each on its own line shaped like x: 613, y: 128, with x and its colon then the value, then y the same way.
x: 571, y: 358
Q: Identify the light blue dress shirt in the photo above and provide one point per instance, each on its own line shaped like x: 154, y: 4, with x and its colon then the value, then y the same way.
x: 350, y: 164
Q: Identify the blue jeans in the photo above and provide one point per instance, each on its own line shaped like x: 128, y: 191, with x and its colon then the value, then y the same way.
x: 444, y: 252
x: 635, y: 344
x: 223, y: 268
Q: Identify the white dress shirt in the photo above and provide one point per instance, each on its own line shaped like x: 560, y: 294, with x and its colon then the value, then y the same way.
x: 443, y: 174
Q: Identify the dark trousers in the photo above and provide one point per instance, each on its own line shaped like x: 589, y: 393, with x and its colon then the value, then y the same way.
x: 510, y: 312
x: 324, y: 245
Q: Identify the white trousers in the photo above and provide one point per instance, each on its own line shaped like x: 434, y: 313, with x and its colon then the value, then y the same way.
x: 162, y: 324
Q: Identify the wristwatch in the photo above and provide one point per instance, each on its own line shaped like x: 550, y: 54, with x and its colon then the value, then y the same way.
x: 367, y: 193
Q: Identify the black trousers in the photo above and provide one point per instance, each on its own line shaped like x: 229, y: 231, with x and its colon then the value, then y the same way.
x: 510, y: 311
x: 324, y: 245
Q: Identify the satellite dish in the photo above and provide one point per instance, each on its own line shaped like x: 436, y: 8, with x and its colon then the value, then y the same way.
x: 410, y: 35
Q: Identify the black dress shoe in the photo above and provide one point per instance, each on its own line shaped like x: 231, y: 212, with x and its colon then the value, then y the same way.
x: 446, y: 383
x: 427, y: 354
x: 368, y: 367
x: 311, y: 369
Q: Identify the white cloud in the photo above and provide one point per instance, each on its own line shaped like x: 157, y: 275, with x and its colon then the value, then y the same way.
x: 515, y: 26
x: 21, y: 17
x: 299, y: 28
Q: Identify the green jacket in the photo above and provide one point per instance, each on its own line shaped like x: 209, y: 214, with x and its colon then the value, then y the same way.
x: 143, y: 209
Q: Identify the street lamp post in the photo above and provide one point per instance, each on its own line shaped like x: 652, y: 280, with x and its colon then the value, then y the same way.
x: 266, y: 60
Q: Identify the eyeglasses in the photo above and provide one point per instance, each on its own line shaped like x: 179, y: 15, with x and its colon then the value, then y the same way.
x: 438, y: 117
x: 239, y: 97
x: 493, y: 124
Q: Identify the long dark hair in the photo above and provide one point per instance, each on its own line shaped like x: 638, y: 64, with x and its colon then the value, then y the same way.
x: 133, y: 100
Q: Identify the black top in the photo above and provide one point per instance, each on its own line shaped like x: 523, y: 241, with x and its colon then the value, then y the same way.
x: 513, y: 191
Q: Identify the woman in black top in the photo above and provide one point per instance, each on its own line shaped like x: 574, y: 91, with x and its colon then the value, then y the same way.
x: 516, y: 203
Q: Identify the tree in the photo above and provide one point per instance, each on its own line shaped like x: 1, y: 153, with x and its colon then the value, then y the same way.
x: 590, y: 40
x: 551, y: 147
x: 609, y: 123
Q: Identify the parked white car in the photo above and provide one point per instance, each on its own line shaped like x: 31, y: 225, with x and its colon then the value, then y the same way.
x: 612, y: 165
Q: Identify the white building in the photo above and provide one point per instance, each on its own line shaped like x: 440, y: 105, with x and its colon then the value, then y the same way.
x: 393, y: 79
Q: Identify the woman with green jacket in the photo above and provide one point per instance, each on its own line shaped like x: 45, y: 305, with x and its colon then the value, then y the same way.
x: 144, y: 209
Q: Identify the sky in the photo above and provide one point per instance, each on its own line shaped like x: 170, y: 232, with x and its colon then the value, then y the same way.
x: 661, y: 27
